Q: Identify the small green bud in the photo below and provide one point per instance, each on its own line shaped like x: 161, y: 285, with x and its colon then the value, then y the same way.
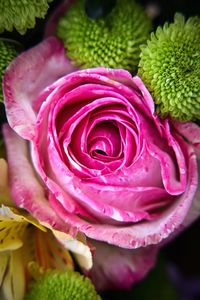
x: 170, y: 68
x: 110, y: 41
x: 62, y: 286
x: 21, y: 14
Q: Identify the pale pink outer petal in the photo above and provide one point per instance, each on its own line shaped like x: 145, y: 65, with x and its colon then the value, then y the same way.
x: 26, y: 77
x: 29, y: 194
x: 26, y: 190
x: 51, y: 24
x: 120, y: 268
x: 146, y: 95
x: 191, y: 131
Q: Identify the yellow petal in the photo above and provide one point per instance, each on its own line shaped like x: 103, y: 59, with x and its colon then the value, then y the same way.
x: 12, y: 226
x: 3, y: 266
x: 13, y: 285
x: 28, y: 249
x: 78, y: 246
x: 19, y: 215
x: 11, y: 231
x: 22, y: 215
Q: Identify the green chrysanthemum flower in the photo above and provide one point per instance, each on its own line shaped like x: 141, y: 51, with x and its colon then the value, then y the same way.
x: 113, y: 41
x: 21, y: 14
x: 9, y: 49
x: 170, y: 68
x: 62, y: 286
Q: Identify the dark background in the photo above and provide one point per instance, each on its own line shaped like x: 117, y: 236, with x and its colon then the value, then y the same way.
x: 179, y: 262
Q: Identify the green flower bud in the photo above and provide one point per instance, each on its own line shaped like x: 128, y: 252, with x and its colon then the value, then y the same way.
x: 21, y: 14
x: 113, y: 41
x: 170, y: 68
x: 62, y: 286
x: 9, y: 49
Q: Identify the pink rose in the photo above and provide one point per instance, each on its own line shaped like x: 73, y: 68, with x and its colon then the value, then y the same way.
x: 99, y: 162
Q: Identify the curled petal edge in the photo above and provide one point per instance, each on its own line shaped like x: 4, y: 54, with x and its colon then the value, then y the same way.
x: 24, y: 79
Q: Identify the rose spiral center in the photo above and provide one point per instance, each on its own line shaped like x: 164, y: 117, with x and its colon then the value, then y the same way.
x: 97, y: 135
x: 104, y: 142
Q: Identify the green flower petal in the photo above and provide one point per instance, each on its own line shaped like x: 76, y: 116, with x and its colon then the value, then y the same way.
x: 170, y: 68
x: 21, y: 14
x: 62, y: 286
x: 113, y: 41
x: 9, y: 49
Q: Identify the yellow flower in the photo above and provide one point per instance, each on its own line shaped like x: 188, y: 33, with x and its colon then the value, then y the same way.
x: 28, y: 248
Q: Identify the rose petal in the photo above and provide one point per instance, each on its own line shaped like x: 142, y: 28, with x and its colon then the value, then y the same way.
x: 26, y: 77
x: 117, y: 268
x: 194, y: 211
x: 191, y: 132
x: 145, y: 233
x: 26, y: 189
x: 51, y: 25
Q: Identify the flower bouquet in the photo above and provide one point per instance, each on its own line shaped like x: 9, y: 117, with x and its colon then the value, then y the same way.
x: 100, y: 145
